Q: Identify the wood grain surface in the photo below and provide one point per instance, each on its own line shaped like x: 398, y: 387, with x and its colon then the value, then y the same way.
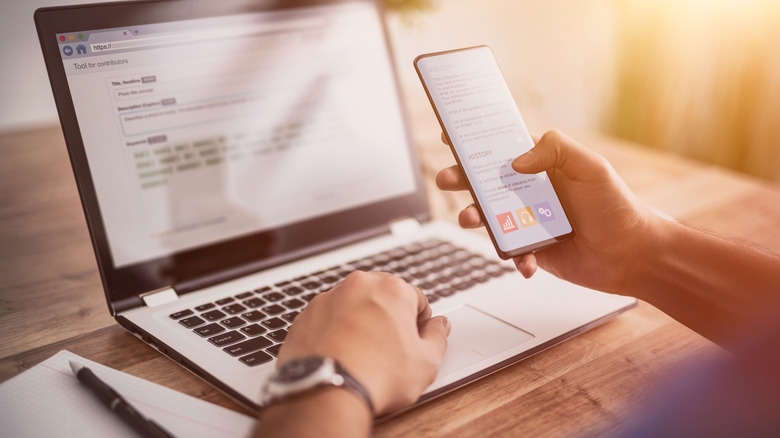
x: 51, y: 297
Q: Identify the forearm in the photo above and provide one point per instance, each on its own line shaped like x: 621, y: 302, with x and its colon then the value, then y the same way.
x: 712, y: 285
x: 324, y: 412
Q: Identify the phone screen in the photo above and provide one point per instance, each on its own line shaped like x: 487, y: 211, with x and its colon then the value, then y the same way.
x: 480, y: 117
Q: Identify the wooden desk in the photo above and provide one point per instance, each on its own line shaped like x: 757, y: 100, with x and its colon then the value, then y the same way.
x: 51, y: 297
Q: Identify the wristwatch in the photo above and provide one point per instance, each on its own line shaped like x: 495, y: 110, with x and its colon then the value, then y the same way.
x: 303, y: 374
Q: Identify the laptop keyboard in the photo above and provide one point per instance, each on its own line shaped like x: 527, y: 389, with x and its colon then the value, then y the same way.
x: 251, y: 326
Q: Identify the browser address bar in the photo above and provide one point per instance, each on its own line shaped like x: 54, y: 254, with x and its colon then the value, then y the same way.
x: 234, y: 31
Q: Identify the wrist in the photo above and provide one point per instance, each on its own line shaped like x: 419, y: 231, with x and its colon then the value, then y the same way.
x: 329, y: 411
x: 649, y: 252
x: 306, y: 373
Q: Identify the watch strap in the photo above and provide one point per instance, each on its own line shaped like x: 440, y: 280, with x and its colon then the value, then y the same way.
x: 340, y: 377
x: 353, y: 384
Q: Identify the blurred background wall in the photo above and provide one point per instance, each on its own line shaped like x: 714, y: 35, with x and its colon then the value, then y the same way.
x: 696, y: 77
x: 700, y: 78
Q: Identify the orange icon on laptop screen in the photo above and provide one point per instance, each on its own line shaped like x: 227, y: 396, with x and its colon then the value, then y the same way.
x: 507, y: 222
x: 526, y: 217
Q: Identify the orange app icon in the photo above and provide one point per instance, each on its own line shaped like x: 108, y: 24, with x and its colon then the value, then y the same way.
x: 507, y: 222
x: 526, y: 216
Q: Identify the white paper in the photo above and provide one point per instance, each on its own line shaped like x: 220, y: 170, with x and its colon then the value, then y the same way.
x: 48, y: 401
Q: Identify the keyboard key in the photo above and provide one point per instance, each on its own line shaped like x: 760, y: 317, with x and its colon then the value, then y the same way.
x: 254, y: 302
x: 431, y: 243
x: 464, y: 285
x: 446, y: 292
x: 289, y: 317
x: 181, y: 314
x: 312, y: 285
x: 248, y: 346
x: 206, y: 306
x: 274, y: 350
x: 278, y: 335
x: 477, y: 262
x: 481, y: 278
x: 233, y: 322
x: 330, y: 279
x: 253, y: 316
x: 274, y: 323
x: 420, y: 275
x: 292, y: 290
x: 460, y: 273
x: 414, y: 248
x: 253, y: 330
x: 227, y: 338
x: 274, y: 297
x: 494, y: 271
x: 234, y: 309
x: 302, y: 278
x: 341, y: 273
x: 438, y: 267
x: 379, y: 258
x: 283, y: 284
x: 428, y: 285
x: 209, y: 330
x: 273, y: 309
x: 263, y: 289
x: 309, y: 297
x: 256, y: 358
x: 432, y: 298
x: 293, y: 303
x: 244, y: 295
x: 224, y: 301
x: 192, y: 321
x: 214, y: 315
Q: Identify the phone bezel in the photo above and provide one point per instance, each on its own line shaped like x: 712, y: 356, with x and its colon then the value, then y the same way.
x: 515, y: 252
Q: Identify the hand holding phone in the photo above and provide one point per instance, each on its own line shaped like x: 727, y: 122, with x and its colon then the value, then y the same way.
x: 486, y: 133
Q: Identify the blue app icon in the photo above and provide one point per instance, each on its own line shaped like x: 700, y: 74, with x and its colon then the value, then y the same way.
x: 67, y: 50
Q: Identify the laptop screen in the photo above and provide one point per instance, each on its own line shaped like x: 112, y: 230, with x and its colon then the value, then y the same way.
x: 273, y: 123
x: 203, y: 130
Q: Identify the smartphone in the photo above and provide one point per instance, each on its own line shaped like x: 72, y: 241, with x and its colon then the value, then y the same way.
x: 478, y: 115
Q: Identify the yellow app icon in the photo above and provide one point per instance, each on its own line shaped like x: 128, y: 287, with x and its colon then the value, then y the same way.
x: 526, y: 217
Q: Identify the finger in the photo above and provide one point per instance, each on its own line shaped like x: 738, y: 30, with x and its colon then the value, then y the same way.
x: 555, y: 150
x: 445, y: 139
x: 433, y: 333
x: 526, y: 264
x: 423, y: 307
x: 470, y: 218
x: 452, y: 179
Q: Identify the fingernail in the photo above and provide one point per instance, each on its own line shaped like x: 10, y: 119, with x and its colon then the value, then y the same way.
x: 447, y: 324
x: 523, y: 160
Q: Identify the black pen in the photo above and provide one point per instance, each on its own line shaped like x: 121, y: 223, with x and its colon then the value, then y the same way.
x: 117, y: 404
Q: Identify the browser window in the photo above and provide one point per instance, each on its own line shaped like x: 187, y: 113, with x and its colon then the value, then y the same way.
x: 203, y: 130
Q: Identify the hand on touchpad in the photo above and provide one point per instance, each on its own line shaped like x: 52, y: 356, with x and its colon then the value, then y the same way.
x: 475, y: 336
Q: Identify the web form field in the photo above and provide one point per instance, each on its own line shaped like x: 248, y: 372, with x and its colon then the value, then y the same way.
x: 177, y: 116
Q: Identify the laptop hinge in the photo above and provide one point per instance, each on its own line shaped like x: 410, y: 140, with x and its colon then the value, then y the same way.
x: 159, y: 297
x: 405, y: 226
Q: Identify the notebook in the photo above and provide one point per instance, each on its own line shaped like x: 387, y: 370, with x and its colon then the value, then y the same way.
x: 236, y: 158
x: 47, y: 400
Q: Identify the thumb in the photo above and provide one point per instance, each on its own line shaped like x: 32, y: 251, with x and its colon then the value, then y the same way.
x: 434, y: 334
x: 557, y: 151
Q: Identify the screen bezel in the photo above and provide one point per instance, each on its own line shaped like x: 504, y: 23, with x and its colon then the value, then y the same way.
x: 514, y: 252
x: 196, y: 268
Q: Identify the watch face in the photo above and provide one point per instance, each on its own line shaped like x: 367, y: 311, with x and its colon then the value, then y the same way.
x: 299, y: 368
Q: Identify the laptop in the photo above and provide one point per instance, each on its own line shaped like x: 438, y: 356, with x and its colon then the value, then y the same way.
x: 236, y: 158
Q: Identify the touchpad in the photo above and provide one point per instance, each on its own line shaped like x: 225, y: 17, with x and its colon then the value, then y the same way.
x: 475, y: 336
